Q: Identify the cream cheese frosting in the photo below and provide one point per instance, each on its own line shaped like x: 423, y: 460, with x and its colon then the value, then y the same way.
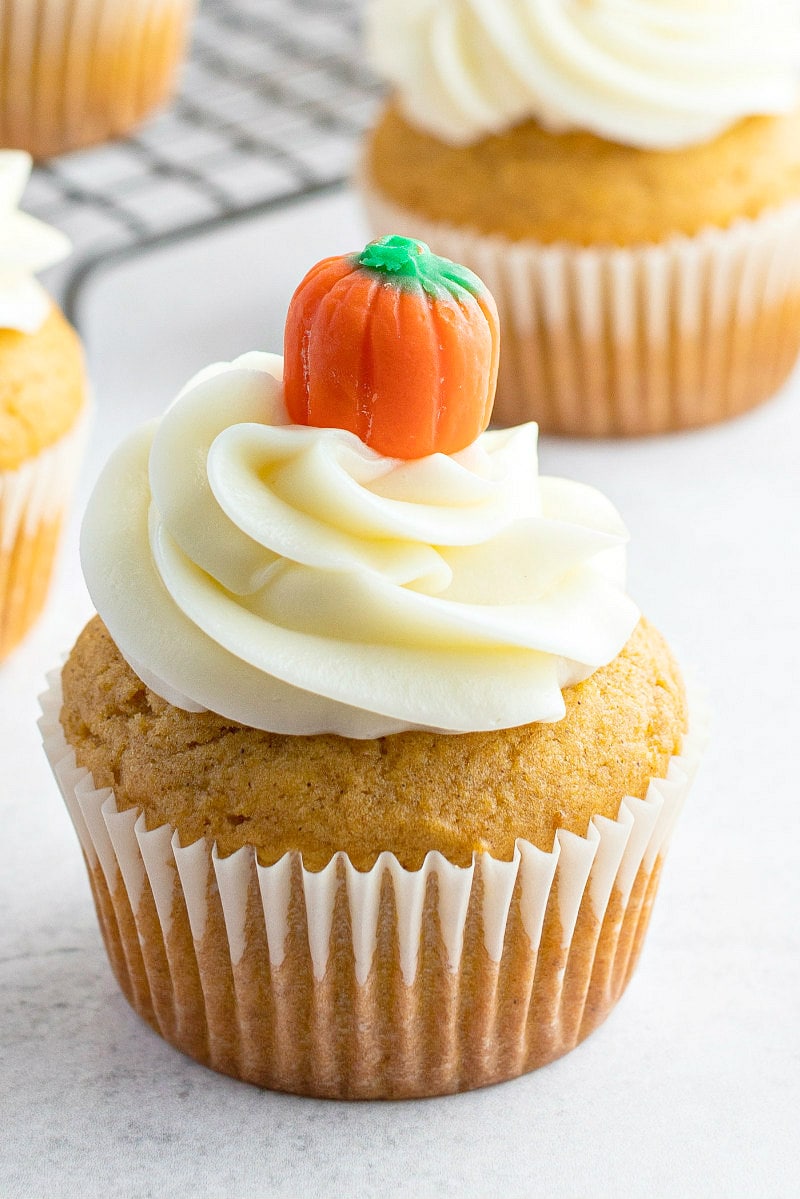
x: 657, y: 74
x: 292, y: 579
x: 27, y: 245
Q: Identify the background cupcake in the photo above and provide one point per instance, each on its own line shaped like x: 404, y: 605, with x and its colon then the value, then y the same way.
x: 42, y: 407
x: 75, y: 72
x: 372, y: 760
x: 626, y: 178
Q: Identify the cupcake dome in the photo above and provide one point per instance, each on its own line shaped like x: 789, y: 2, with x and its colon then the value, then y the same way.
x: 42, y: 403
x: 372, y: 759
x: 627, y: 180
x: 241, y: 787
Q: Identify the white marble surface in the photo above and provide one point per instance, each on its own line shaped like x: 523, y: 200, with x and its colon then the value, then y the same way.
x: 692, y: 1088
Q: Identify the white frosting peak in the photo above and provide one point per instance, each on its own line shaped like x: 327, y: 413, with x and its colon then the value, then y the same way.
x: 293, y: 579
x: 658, y: 74
x: 26, y: 245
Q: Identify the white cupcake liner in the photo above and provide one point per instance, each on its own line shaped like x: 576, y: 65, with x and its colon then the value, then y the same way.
x: 607, y: 341
x: 33, y: 501
x: 75, y: 72
x: 379, y: 983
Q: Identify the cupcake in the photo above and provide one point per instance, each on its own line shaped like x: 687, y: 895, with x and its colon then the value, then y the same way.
x: 75, y: 72
x: 42, y: 406
x: 627, y: 180
x: 372, y: 759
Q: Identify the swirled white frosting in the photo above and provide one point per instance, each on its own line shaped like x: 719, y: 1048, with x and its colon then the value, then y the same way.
x: 26, y: 246
x: 294, y: 580
x: 657, y: 74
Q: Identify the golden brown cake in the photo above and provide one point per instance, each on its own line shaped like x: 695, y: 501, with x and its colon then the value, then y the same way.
x: 530, y: 184
x: 407, y: 794
x: 638, y: 223
x: 42, y: 408
x: 75, y: 73
x: 42, y: 388
x: 372, y: 759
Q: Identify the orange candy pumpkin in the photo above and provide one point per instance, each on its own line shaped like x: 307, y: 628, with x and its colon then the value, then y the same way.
x: 395, y: 344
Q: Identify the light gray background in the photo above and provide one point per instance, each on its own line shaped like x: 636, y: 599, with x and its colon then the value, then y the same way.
x: 692, y: 1086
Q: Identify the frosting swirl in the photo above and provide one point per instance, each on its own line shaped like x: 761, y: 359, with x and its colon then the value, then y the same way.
x: 292, y: 579
x: 657, y: 74
x: 26, y: 245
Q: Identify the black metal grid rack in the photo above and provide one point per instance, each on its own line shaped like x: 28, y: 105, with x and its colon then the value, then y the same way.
x: 272, y: 103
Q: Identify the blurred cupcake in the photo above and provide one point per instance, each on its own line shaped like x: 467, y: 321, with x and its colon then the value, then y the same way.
x: 42, y: 405
x: 626, y: 177
x: 75, y: 72
x: 372, y: 760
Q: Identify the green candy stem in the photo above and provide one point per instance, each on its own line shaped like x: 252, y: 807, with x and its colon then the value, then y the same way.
x: 410, y: 263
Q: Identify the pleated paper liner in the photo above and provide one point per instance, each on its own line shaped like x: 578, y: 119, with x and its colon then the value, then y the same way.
x: 33, y: 502
x: 75, y: 72
x: 608, y: 341
x: 380, y: 984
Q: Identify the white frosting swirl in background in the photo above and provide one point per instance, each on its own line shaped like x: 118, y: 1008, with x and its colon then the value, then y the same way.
x: 26, y: 246
x: 292, y: 579
x: 657, y: 74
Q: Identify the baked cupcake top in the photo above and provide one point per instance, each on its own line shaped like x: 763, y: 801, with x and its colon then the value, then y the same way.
x: 658, y: 74
x: 42, y: 381
x: 409, y: 794
x: 256, y: 553
x: 575, y: 187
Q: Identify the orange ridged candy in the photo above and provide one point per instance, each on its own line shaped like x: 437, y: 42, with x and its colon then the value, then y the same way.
x: 395, y: 344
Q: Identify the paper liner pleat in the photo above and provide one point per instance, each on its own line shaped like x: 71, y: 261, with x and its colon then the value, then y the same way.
x: 626, y: 341
x: 378, y: 983
x: 33, y: 501
x: 74, y: 72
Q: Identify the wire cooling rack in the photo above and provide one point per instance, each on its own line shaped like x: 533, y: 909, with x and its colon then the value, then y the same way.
x: 271, y: 105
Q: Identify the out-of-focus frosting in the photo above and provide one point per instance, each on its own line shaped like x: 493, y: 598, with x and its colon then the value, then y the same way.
x: 26, y: 246
x: 292, y: 579
x: 657, y: 74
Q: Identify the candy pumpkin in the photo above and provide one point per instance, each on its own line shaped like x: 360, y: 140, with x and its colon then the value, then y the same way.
x: 395, y: 344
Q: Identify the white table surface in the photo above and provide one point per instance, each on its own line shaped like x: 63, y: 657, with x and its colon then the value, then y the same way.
x: 691, y: 1088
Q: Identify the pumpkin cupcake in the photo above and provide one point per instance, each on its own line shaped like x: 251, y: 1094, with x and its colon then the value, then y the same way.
x: 76, y: 72
x: 372, y: 759
x: 626, y: 178
x: 42, y: 406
